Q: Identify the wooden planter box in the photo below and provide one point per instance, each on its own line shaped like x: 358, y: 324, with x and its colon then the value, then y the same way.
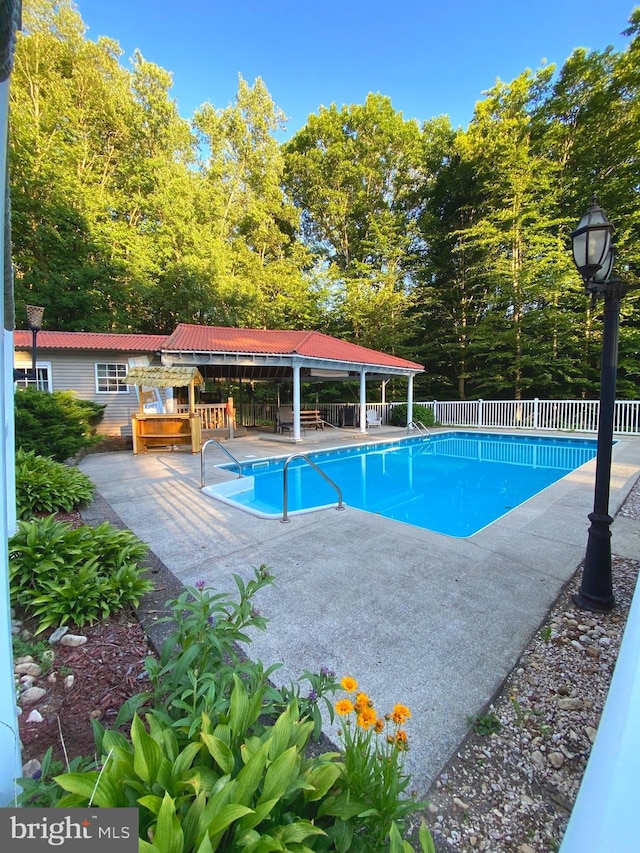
x: 151, y: 430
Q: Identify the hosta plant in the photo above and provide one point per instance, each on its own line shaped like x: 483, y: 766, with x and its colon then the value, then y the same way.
x: 45, y: 486
x: 59, y: 574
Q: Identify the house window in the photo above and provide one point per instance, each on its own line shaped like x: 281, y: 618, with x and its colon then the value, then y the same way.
x: 23, y: 377
x: 110, y: 378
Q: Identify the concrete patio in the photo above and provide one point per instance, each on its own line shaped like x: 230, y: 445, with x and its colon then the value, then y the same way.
x: 416, y: 617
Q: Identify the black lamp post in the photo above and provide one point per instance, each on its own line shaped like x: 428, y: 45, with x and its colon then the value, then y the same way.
x: 594, y: 255
x: 34, y: 324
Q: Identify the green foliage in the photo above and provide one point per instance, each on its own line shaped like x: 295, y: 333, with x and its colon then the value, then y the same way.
x: 485, y: 724
x: 41, y: 790
x: 56, y: 425
x: 45, y: 486
x: 423, y: 414
x: 61, y: 575
x: 231, y: 771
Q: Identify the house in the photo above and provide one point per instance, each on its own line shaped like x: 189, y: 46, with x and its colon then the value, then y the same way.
x: 95, y: 365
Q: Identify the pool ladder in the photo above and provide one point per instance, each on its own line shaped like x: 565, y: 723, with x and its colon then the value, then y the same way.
x: 224, y: 450
x: 420, y: 427
x: 285, y: 516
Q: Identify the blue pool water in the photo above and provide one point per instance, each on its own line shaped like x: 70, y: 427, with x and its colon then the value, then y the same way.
x: 454, y: 483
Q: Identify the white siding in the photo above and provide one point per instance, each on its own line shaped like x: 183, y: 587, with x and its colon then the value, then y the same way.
x: 75, y: 371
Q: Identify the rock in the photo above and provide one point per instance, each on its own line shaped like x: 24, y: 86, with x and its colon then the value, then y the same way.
x: 29, y: 668
x: 23, y: 659
x: 68, y: 682
x: 593, y: 652
x: 570, y: 704
x: 577, y: 645
x: 31, y: 769
x: 73, y: 640
x: 58, y: 634
x: 32, y: 695
x: 35, y: 717
x: 537, y: 759
x: 591, y: 733
x: 526, y: 848
x: 556, y: 759
x: 460, y: 804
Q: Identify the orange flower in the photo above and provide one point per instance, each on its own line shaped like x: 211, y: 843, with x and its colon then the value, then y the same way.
x: 344, y: 707
x: 349, y: 684
x: 367, y: 718
x: 379, y: 726
x: 362, y: 702
x: 401, y: 741
x: 400, y: 714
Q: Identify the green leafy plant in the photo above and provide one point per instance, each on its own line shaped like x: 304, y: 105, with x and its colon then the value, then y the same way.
x: 398, y: 415
x: 59, y: 574
x: 485, y: 724
x: 58, y: 425
x: 546, y: 633
x: 45, y: 486
x: 194, y: 672
x: 41, y: 790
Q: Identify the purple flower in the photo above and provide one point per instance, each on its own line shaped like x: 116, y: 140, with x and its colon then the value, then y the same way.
x: 255, y: 613
x: 326, y: 672
x: 200, y: 585
x: 313, y: 696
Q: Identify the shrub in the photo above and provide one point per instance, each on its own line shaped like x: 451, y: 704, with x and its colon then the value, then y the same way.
x: 58, y: 574
x: 58, y: 425
x: 398, y: 415
x: 45, y: 486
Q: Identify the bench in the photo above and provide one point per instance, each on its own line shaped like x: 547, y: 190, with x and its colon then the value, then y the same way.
x: 311, y: 417
x: 308, y: 417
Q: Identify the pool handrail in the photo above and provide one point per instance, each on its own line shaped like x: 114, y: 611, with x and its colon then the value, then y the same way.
x: 420, y: 427
x: 285, y: 516
x: 224, y: 450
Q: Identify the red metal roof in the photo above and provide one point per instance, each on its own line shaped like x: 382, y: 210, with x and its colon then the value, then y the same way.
x: 191, y: 338
x: 90, y: 340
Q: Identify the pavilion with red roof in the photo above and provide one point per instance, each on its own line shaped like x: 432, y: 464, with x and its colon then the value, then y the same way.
x: 222, y: 353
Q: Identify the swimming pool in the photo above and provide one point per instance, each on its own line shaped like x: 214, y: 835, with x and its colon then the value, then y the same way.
x: 453, y: 483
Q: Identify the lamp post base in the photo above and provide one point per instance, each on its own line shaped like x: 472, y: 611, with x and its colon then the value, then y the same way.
x: 596, y: 590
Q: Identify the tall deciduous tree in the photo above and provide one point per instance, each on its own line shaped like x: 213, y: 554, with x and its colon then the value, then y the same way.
x: 353, y: 173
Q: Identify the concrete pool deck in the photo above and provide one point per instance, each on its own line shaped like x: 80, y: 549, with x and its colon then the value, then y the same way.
x: 431, y: 621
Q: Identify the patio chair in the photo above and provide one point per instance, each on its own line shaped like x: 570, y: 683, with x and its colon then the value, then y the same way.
x: 373, y: 419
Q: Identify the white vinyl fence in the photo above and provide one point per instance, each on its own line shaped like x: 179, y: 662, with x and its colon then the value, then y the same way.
x: 569, y: 415
x: 564, y: 415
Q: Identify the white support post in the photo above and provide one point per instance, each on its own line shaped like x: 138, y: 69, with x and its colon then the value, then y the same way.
x: 363, y: 401
x: 296, y: 403
x: 410, y: 400
x: 11, y: 765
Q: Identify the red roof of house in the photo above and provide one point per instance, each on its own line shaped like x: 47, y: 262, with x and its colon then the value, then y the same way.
x: 191, y: 338
x: 90, y: 340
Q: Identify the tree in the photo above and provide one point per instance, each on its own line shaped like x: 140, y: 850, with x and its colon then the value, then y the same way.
x: 353, y: 172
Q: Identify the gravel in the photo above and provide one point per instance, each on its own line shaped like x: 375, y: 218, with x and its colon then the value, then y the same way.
x: 512, y: 791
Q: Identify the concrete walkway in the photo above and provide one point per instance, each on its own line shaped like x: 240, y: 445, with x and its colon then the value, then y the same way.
x: 416, y: 617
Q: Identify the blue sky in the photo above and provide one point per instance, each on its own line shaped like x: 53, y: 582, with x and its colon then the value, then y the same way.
x: 430, y: 57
